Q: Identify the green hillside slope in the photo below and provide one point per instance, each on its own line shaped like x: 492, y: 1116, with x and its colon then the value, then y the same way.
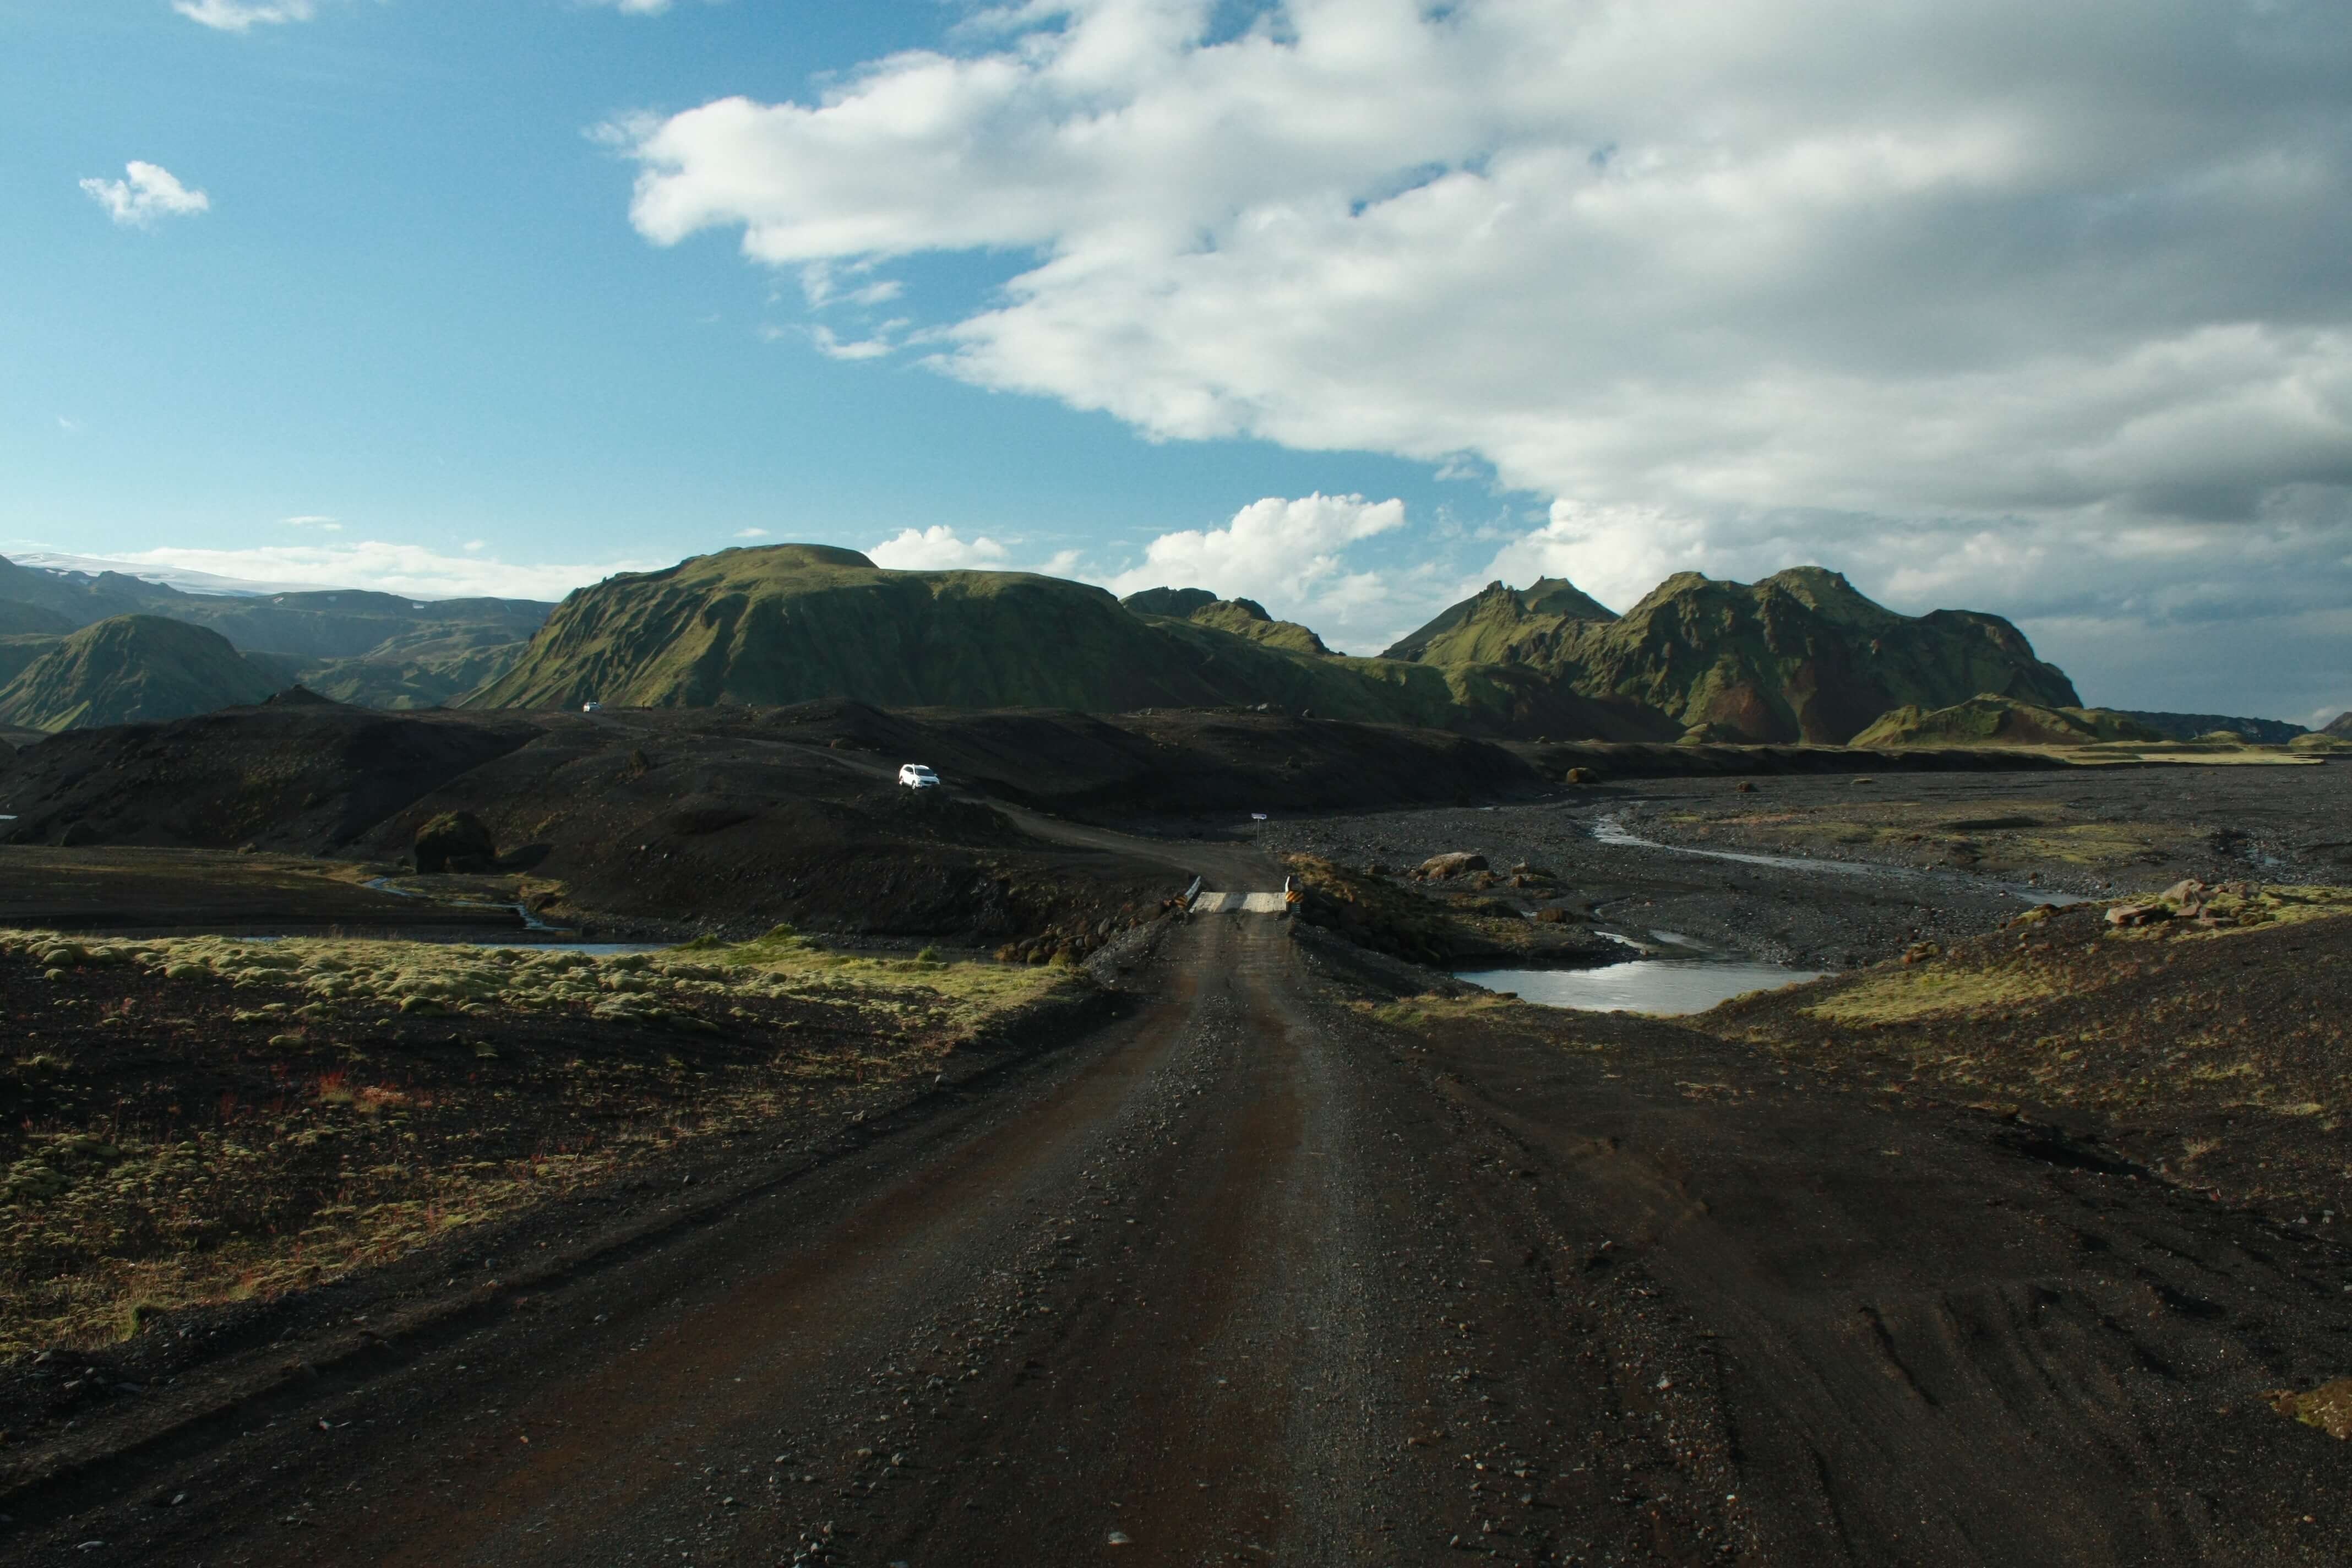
x: 20, y: 619
x: 791, y: 623
x: 130, y: 669
x: 1798, y: 656
x: 1990, y: 720
x: 1488, y: 626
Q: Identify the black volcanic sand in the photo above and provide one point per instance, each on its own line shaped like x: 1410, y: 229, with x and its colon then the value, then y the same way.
x: 2083, y: 833
x: 2217, y: 1056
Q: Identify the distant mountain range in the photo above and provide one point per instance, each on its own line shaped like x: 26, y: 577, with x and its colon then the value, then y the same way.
x: 382, y: 650
x: 1801, y: 656
x: 126, y: 669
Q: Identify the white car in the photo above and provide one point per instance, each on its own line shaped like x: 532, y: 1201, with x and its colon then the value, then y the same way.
x: 914, y: 775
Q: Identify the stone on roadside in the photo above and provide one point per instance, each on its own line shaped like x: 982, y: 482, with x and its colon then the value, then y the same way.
x: 1458, y: 863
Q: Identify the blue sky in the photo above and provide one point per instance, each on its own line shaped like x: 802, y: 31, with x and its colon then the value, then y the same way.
x: 1347, y: 306
x: 416, y: 306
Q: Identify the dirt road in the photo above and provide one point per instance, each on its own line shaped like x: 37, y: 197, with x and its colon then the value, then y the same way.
x: 1253, y: 1275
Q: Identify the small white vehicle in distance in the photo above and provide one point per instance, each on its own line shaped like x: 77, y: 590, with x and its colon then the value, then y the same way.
x: 914, y: 775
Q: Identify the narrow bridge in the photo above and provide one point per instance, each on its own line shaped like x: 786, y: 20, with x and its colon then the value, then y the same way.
x: 1243, y: 903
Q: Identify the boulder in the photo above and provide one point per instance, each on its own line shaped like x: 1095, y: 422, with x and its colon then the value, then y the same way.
x: 456, y: 841
x: 1459, y: 863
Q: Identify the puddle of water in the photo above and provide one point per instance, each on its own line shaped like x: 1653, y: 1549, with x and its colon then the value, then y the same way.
x: 1609, y: 830
x: 1662, y: 986
x: 593, y: 949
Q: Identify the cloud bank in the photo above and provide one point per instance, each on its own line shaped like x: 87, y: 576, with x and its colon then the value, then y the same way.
x: 413, y: 570
x: 148, y: 192
x: 1703, y: 276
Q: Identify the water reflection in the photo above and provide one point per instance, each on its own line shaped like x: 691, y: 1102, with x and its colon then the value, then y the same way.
x: 1664, y: 985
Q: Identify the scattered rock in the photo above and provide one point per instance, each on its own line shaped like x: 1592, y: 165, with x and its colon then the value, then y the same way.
x: 1457, y: 864
x: 1920, y: 952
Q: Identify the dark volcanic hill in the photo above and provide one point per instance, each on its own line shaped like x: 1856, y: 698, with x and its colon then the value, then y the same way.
x: 734, y: 817
x: 1800, y: 656
x: 129, y: 669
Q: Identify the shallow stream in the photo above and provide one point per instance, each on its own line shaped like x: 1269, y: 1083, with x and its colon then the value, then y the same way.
x: 1609, y: 830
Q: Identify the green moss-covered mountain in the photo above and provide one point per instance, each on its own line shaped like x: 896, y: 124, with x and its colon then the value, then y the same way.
x: 796, y: 622
x: 1498, y: 622
x: 127, y: 670
x: 1990, y: 720
x: 1800, y: 656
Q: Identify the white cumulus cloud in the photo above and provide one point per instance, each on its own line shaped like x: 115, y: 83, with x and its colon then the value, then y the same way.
x: 937, y: 549
x: 1288, y: 555
x: 236, y: 15
x: 1741, y: 271
x: 148, y: 192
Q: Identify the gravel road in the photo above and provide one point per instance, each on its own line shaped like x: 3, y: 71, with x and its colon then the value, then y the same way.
x: 1251, y: 1275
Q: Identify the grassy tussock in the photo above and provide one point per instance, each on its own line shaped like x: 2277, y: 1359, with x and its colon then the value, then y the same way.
x: 337, y: 975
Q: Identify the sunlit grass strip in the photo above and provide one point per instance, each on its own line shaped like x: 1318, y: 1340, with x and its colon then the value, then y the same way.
x: 338, y: 975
